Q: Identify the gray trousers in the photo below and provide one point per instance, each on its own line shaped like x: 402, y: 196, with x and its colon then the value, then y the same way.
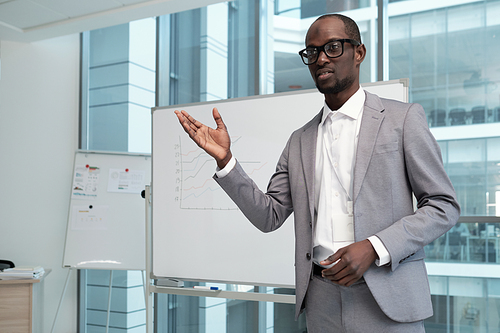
x: 331, y: 308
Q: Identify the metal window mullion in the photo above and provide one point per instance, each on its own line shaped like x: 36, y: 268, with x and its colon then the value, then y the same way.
x: 83, y: 142
x: 257, y: 71
x: 82, y: 300
x: 373, y: 51
x: 232, y: 70
x: 174, y: 63
x: 157, y: 63
x: 383, y: 41
x: 448, y: 304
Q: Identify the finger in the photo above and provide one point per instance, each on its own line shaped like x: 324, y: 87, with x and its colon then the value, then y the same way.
x: 191, y: 125
x: 218, y: 119
x: 333, y: 258
x: 336, y: 273
x: 351, y: 282
x: 183, y: 121
x: 195, y: 124
x: 180, y: 116
x: 343, y: 276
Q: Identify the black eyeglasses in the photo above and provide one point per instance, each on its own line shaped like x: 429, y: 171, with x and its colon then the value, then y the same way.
x: 333, y: 49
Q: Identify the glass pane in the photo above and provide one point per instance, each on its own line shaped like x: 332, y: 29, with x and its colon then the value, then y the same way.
x: 467, y: 242
x: 289, y: 38
x: 199, y: 314
x: 466, y: 168
x: 125, y: 305
x: 464, y: 304
x: 121, y: 87
x: 208, y: 53
x: 446, y: 53
x: 474, y: 169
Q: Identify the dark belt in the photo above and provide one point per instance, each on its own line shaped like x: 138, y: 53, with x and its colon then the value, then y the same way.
x: 317, y: 269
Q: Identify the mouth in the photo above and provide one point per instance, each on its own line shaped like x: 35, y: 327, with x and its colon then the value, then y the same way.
x: 324, y: 73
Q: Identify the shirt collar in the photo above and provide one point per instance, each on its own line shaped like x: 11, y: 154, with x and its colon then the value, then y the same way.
x: 351, y: 107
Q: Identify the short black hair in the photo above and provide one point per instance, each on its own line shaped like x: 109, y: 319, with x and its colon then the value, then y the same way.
x: 351, y: 28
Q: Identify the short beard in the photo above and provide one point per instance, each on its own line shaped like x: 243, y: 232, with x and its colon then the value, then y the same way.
x: 338, y: 87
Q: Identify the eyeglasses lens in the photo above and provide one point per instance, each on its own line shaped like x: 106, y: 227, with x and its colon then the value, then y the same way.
x: 332, y: 50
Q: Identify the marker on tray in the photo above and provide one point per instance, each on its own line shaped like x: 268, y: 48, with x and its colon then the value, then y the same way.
x: 206, y: 288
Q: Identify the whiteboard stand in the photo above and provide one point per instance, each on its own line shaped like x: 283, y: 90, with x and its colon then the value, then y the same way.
x: 144, y: 285
x: 147, y: 284
x: 109, y: 297
x: 62, y: 298
x: 239, y: 295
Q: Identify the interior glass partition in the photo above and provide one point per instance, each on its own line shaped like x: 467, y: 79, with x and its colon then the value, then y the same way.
x: 447, y: 54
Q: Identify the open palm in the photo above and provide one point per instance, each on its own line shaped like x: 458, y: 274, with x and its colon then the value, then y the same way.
x: 215, y: 142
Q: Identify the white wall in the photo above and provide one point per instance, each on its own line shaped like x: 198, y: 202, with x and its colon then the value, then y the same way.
x: 39, y: 98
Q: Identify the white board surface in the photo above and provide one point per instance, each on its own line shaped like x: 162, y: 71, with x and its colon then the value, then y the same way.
x: 106, y: 223
x: 198, y: 233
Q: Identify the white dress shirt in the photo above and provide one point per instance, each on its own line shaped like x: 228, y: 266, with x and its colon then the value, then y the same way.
x: 336, y: 146
x: 335, y: 153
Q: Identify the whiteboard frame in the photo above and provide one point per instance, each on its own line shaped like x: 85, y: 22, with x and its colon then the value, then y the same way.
x: 151, y: 289
x: 404, y: 97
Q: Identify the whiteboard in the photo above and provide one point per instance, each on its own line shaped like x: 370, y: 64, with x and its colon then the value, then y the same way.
x: 106, y: 222
x: 198, y: 233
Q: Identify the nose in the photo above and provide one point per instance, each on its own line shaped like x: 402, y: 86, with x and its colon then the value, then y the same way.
x: 322, y: 58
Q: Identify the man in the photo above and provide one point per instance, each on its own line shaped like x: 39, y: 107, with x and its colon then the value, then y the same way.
x: 348, y: 175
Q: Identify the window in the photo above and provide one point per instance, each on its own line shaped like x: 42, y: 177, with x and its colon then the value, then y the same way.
x: 249, y: 47
x: 118, y: 87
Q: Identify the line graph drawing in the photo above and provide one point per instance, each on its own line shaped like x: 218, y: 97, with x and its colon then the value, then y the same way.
x: 195, y: 186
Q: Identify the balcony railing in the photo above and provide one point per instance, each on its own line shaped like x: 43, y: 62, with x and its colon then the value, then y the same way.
x: 472, y: 240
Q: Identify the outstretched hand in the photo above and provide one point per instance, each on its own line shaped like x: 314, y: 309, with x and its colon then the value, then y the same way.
x: 353, y: 261
x: 215, y: 142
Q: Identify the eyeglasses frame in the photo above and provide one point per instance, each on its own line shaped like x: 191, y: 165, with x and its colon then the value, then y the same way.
x: 322, y: 48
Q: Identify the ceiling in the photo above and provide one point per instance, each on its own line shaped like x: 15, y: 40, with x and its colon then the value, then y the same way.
x: 34, y: 20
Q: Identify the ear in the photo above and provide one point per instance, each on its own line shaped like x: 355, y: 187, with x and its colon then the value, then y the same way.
x: 360, y: 54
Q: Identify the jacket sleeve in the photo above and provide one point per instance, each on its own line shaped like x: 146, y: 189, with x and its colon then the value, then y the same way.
x: 267, y: 211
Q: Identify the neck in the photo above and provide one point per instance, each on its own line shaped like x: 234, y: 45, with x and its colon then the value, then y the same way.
x: 335, y: 101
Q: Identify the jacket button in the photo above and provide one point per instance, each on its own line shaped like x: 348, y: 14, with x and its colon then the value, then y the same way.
x: 308, y: 256
x: 310, y: 224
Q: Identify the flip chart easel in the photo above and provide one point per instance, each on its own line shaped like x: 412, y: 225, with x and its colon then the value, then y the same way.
x: 106, y: 226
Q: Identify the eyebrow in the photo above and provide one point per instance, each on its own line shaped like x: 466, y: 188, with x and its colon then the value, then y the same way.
x: 330, y: 40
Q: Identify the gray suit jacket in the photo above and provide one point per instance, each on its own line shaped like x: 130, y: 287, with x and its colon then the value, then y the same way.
x: 396, y: 156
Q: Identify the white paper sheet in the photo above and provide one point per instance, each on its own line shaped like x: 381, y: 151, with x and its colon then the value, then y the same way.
x: 85, y: 182
x: 126, y: 181
x: 90, y: 217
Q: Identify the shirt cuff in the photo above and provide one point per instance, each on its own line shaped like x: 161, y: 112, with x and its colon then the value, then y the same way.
x: 220, y: 173
x: 383, y: 255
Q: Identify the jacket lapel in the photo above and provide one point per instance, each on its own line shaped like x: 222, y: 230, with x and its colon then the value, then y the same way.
x: 308, y: 156
x: 373, y: 115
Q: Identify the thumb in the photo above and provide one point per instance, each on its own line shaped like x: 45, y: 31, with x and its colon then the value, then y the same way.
x: 218, y: 119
